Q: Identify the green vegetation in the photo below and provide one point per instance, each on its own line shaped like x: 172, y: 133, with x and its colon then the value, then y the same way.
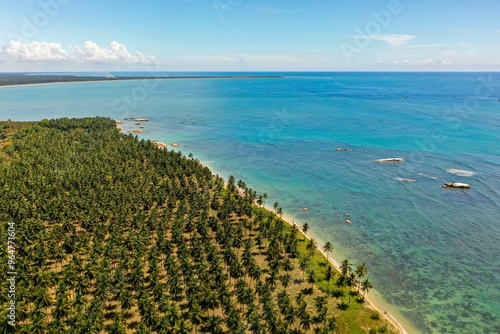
x: 12, y: 79
x: 115, y: 235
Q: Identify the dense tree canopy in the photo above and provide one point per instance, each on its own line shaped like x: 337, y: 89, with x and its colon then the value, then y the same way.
x: 115, y: 235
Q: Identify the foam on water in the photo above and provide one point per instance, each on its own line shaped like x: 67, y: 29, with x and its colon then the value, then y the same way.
x: 461, y: 172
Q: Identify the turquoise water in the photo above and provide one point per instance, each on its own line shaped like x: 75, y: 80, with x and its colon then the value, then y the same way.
x: 432, y: 253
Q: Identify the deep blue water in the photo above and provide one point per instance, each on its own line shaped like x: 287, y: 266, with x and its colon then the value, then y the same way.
x: 432, y: 253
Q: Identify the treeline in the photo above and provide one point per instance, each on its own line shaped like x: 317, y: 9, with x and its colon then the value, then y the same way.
x: 115, y: 235
x: 11, y: 79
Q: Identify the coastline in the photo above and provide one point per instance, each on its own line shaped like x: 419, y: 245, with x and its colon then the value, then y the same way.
x: 372, y: 302
x: 335, y: 262
x: 148, y: 78
x: 319, y: 217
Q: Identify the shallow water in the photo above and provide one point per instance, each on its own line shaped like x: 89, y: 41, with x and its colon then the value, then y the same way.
x: 433, y: 253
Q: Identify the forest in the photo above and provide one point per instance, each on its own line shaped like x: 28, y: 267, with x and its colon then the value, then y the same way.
x: 111, y: 234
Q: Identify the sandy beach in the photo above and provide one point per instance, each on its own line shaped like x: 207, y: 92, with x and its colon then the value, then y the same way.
x: 372, y: 302
x: 335, y: 262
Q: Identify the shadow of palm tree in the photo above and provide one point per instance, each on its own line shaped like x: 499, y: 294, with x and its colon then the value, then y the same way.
x: 342, y: 306
x: 360, y: 300
x: 133, y: 325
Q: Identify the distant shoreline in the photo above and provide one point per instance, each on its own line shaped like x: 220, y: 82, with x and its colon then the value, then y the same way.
x: 45, y: 79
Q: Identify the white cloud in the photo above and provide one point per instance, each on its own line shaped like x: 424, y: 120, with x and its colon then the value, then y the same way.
x: 32, y: 52
x: 439, y: 45
x: 89, y: 52
x: 425, y: 62
x: 394, y: 39
x: 397, y: 62
x: 431, y: 61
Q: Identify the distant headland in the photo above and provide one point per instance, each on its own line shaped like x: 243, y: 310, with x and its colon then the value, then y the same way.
x: 17, y: 79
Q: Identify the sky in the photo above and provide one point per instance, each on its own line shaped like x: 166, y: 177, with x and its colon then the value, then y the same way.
x: 249, y: 35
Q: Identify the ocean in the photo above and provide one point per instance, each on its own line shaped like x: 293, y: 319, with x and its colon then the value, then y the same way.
x: 432, y: 253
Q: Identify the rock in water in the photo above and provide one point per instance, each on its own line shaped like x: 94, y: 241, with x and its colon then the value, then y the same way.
x: 456, y: 185
x: 160, y: 145
x: 391, y: 159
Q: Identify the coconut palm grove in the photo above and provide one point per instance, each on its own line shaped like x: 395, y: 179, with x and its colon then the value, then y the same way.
x: 110, y: 234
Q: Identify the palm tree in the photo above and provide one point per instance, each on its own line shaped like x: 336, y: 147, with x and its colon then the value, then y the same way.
x: 5, y: 327
x: 38, y: 326
x: 350, y: 282
x: 213, y: 325
x: 164, y: 326
x: 328, y: 247
x: 149, y: 317
x: 233, y: 322
x: 332, y: 325
x: 305, y: 228
x: 286, y: 279
x: 117, y: 327
x: 196, y: 315
x: 329, y: 274
x: 311, y: 247
x: 142, y: 329
x: 312, y: 278
x: 366, y: 285
x: 183, y: 327
x: 345, y: 267
x: 62, y: 308
x: 276, y: 206
x: 279, y: 212
x: 212, y: 301
x: 126, y: 301
x: 305, y: 321
x: 42, y: 299
x: 82, y: 285
x: 360, y: 272
x: 303, y: 265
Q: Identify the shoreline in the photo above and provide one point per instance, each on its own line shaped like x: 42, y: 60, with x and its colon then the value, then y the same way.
x: 372, y: 302
x: 334, y: 261
x: 149, y: 78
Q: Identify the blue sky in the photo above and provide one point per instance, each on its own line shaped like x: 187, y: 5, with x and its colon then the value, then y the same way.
x: 249, y: 35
